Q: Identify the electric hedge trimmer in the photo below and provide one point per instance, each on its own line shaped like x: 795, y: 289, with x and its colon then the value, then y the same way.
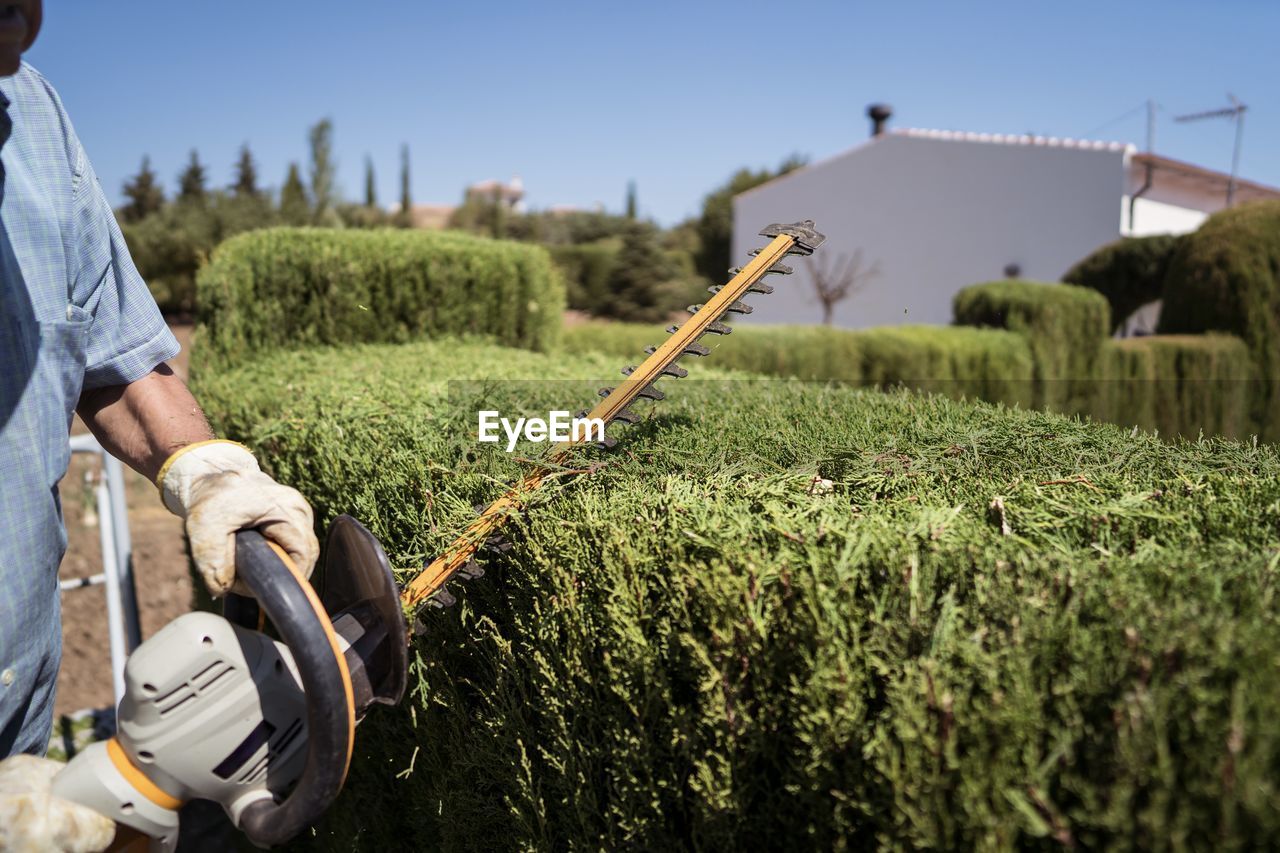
x: 217, y: 709
x: 459, y: 558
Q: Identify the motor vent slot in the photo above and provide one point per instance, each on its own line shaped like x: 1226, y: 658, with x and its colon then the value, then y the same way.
x: 195, y: 685
x: 286, y: 739
x: 239, y: 756
x: 255, y: 774
x: 170, y: 701
x: 210, y: 676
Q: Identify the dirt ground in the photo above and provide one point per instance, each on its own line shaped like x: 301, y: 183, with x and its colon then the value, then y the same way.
x: 160, y: 572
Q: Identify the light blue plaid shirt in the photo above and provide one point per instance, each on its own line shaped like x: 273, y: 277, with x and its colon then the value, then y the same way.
x: 75, y: 315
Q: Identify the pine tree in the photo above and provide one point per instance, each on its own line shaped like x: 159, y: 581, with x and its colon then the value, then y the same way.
x: 631, y: 200
x: 246, y: 184
x: 295, y: 209
x: 406, y: 200
x: 370, y: 184
x: 639, y: 285
x: 144, y: 192
x: 191, y: 181
x: 322, y: 168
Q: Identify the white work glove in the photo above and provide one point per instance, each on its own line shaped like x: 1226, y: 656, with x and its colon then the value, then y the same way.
x: 217, y: 488
x: 32, y: 819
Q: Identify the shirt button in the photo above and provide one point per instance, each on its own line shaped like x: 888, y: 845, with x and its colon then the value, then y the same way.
x: 6, y: 677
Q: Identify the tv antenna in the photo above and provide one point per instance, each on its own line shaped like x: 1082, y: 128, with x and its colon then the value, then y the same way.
x: 1235, y: 113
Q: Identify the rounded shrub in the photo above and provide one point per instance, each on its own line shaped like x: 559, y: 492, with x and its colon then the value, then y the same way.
x: 1065, y: 326
x: 1225, y: 277
x: 1129, y: 273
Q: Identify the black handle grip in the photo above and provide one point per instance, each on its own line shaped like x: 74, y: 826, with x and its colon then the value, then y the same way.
x: 304, y: 627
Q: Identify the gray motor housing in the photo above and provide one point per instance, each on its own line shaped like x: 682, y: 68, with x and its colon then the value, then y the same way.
x: 211, y: 711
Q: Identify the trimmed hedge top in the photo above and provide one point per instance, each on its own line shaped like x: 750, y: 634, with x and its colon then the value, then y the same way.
x: 290, y: 287
x: 1129, y: 273
x: 992, y: 629
x: 1065, y: 326
x: 989, y: 364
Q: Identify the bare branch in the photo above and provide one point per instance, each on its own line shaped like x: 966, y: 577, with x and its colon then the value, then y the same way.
x: 837, y: 277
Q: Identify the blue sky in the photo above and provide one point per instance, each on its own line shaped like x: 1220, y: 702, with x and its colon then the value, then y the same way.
x: 579, y: 98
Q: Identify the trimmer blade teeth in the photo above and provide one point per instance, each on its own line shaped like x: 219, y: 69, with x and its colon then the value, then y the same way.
x: 697, y: 349
x: 718, y: 328
x: 739, y: 307
x: 441, y: 599
x: 675, y: 370
x: 627, y: 416
x: 497, y: 544
x: 607, y: 444
x: 651, y: 393
x: 628, y: 370
x: 650, y: 350
x: 672, y: 329
x: 581, y: 413
x: 470, y: 571
x: 694, y: 309
x: 778, y: 268
x: 604, y: 392
x: 758, y: 287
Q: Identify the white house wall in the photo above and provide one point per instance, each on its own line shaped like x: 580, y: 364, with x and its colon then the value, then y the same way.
x: 1158, y: 217
x: 936, y: 215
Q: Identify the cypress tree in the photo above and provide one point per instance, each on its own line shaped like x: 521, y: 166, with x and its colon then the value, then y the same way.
x: 323, y: 168
x: 246, y: 184
x: 295, y: 209
x: 370, y: 184
x: 631, y: 200
x: 144, y: 192
x: 406, y: 199
x: 191, y: 181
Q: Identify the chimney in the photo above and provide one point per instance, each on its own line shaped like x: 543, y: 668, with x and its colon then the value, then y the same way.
x: 879, y: 115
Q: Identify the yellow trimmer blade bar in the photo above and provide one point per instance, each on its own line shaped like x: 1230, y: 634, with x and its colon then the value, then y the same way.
x: 458, y: 558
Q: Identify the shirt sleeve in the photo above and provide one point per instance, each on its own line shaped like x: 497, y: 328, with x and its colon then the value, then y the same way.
x: 128, y: 337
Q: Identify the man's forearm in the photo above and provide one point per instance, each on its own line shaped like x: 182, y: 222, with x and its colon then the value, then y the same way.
x: 144, y: 422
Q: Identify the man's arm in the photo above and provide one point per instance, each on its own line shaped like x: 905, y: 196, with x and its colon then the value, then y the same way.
x: 145, y: 422
x: 154, y: 425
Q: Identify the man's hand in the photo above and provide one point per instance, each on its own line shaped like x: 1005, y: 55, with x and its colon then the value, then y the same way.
x: 32, y: 819
x: 217, y: 488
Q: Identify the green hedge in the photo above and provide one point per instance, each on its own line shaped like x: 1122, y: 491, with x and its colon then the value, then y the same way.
x: 290, y: 287
x: 983, y: 363
x: 586, y: 270
x: 1225, y: 277
x: 1178, y: 385
x: 1065, y: 326
x: 1129, y: 273
x: 694, y: 648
